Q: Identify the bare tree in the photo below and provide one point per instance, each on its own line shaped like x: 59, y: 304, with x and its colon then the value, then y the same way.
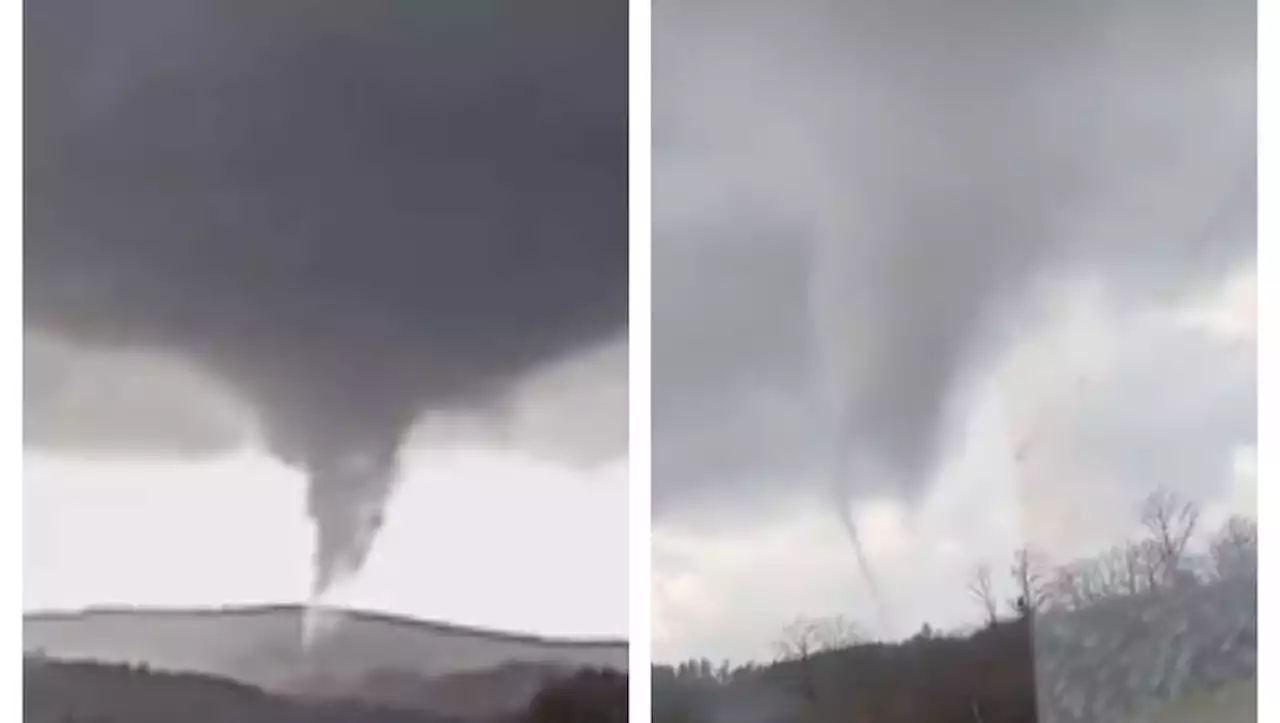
x: 799, y: 643
x: 981, y: 591
x: 1170, y: 523
x: 1073, y: 585
x: 1028, y: 576
x: 1149, y: 559
x: 1131, y: 563
x: 1234, y: 549
x: 1119, y: 571
x: 1062, y: 591
x: 836, y: 632
x: 805, y: 638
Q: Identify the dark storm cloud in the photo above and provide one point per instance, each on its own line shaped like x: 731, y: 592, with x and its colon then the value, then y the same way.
x: 352, y: 212
x: 853, y: 201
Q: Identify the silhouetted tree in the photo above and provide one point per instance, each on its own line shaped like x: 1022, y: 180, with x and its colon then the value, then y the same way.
x: 980, y: 590
x: 804, y: 638
x: 1028, y: 578
x: 1234, y: 548
x: 1170, y: 523
x: 590, y: 696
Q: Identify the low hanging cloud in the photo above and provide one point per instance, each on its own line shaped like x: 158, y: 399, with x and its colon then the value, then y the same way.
x: 117, y: 402
x: 122, y: 402
x: 857, y: 206
x: 351, y: 214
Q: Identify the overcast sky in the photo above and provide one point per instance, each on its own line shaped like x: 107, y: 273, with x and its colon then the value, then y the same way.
x: 983, y: 272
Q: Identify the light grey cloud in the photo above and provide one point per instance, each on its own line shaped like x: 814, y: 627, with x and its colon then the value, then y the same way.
x: 114, y: 402
x: 1155, y: 404
x: 853, y: 202
x: 573, y: 412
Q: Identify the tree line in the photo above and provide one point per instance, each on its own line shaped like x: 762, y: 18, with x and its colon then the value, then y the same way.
x: 84, y: 692
x: 828, y: 669
x: 1161, y: 559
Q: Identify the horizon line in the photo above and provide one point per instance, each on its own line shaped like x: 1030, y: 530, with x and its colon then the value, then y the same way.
x: 355, y: 612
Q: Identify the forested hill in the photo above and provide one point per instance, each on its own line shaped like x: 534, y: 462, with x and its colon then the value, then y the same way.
x: 1147, y: 657
x: 1153, y: 630
x: 262, y: 645
x: 63, y: 692
x: 66, y: 692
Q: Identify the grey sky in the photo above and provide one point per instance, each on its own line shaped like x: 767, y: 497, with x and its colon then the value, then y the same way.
x: 915, y: 235
x: 351, y: 215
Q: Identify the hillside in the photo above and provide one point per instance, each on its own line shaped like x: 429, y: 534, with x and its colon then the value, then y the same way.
x: 59, y: 692
x: 62, y: 692
x: 506, y: 687
x: 1150, y: 658
x: 1131, y: 655
x: 376, y: 658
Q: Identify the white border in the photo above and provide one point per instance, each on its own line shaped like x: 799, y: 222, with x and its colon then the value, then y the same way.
x: 638, y: 369
x: 11, y: 312
x: 1268, y: 497
x: 639, y: 662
